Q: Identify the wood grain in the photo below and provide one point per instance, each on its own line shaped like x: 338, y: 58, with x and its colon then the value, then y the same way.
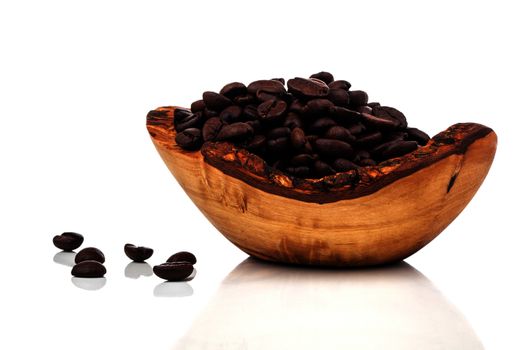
x: 385, y: 225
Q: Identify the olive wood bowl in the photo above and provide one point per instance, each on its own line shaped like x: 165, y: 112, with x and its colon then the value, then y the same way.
x: 371, y: 216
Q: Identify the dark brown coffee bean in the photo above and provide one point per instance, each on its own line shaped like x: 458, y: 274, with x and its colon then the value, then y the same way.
x: 183, y: 257
x: 340, y: 84
x: 292, y: 121
x: 323, y: 169
x: 231, y: 114
x: 297, y: 106
x: 302, y: 159
x: 272, y: 109
x: 373, y: 104
x: 189, y: 139
x: 277, y: 146
x: 194, y: 120
x: 250, y: 112
x: 180, y: 114
x: 368, y: 139
x: 235, y: 132
x: 211, y: 129
x: 278, y: 132
x: 399, y: 148
x: 270, y: 86
x: 173, y: 271
x: 265, y: 96
x: 379, y: 123
x: 299, y: 171
x: 319, y: 107
x: 326, y: 77
x: 307, y: 88
x: 364, y: 109
x: 88, y: 269
x: 68, y: 241
x: 345, y: 116
x: 137, y: 254
x: 257, y: 143
x: 244, y: 100
x: 90, y: 253
x: 298, y: 139
x: 395, y: 135
x: 198, y: 106
x: 233, y: 90
x: 333, y: 148
x: 215, y: 101
x: 281, y: 80
x: 356, y: 129
x: 255, y: 124
x: 339, y: 97
x: 417, y: 135
x: 358, y: 98
x: 342, y: 164
x: 320, y: 125
x: 208, y: 113
x: 378, y: 150
x: 339, y: 133
x: 390, y: 113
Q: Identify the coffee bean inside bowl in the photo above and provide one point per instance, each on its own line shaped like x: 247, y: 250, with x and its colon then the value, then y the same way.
x: 68, y: 241
x: 173, y: 271
x: 308, y: 128
x: 137, y: 254
x: 90, y: 253
x: 88, y: 269
x: 183, y: 257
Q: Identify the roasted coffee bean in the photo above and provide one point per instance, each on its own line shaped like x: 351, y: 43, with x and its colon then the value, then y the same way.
x: 255, y: 124
x: 298, y: 139
x: 320, y: 125
x: 356, y: 129
x: 339, y: 133
x: 68, y: 241
x: 233, y: 90
x: 183, y: 256
x: 88, y: 269
x: 358, y: 98
x: 271, y: 109
x: 208, y: 113
x: 373, y: 104
x: 211, y: 129
x: 256, y: 144
x: 137, y: 254
x: 292, y: 121
x: 339, y: 97
x: 250, y: 112
x: 180, y: 114
x: 231, y: 114
x: 345, y: 116
x: 390, y: 113
x: 395, y: 135
x: 302, y: 159
x: 275, y: 133
x: 324, y: 76
x: 323, y: 169
x: 173, y: 271
x: 281, y: 80
x: 379, y: 123
x: 307, y: 88
x: 215, y: 101
x: 333, y: 148
x: 244, y: 100
x: 340, y: 84
x: 265, y: 96
x: 189, y: 139
x: 398, y: 149
x: 297, y: 106
x: 278, y: 145
x: 198, y: 106
x: 194, y: 120
x: 342, y: 164
x: 368, y: 139
x: 319, y: 107
x: 364, y: 109
x: 235, y: 131
x: 90, y: 253
x: 270, y: 86
x: 301, y: 171
x: 417, y: 135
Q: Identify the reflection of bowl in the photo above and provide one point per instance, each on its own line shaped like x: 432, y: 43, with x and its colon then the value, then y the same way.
x: 392, y: 211
x: 268, y: 306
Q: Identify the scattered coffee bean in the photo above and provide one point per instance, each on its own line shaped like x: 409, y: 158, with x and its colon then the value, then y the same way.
x: 137, y: 254
x: 183, y: 256
x: 68, y: 241
x: 89, y: 269
x: 90, y: 253
x: 173, y: 271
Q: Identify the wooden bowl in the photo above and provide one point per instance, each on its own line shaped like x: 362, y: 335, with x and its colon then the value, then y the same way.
x: 375, y: 215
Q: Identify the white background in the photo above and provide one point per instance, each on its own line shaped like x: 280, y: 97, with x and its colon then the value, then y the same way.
x: 76, y: 82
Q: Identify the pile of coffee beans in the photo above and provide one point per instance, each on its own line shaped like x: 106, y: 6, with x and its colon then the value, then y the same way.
x: 178, y: 267
x: 313, y: 128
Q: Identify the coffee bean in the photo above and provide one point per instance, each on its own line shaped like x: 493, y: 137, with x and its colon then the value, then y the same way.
x: 244, y: 100
x: 270, y: 86
x: 250, y: 112
x: 257, y: 143
x: 235, y: 131
x: 333, y: 148
x: 399, y: 148
x: 358, y: 98
x: 88, y: 269
x: 340, y: 84
x: 302, y: 159
x: 342, y: 164
x: 368, y: 139
x: 339, y: 97
x: 208, y: 113
x: 90, y: 253
x: 272, y: 109
x: 395, y: 135
x: 356, y: 129
x: 183, y: 256
x: 318, y: 107
x: 198, y: 106
x: 281, y: 80
x: 231, y: 114
x: 255, y: 124
x: 300, y: 171
x: 367, y: 162
x: 173, y: 271
x: 137, y: 254
x: 323, y: 169
x: 339, y: 133
x: 265, y: 96
x: 68, y: 241
x: 345, y: 116
x: 298, y: 139
x: 417, y: 135
x: 215, y: 101
x: 307, y: 88
x: 297, y: 106
x: 292, y: 121
x: 278, y: 132
x: 278, y: 145
x: 373, y: 104
x: 324, y: 76
x: 211, y: 129
x: 379, y: 123
x: 390, y: 113
x: 320, y: 125
x: 194, y: 120
x: 233, y: 90
x: 180, y: 114
x: 189, y: 139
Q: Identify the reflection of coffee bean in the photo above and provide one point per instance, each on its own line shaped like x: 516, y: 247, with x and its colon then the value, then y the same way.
x: 88, y: 268
x: 183, y: 256
x: 68, y: 241
x: 173, y: 271
x: 137, y: 254
x: 90, y: 253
